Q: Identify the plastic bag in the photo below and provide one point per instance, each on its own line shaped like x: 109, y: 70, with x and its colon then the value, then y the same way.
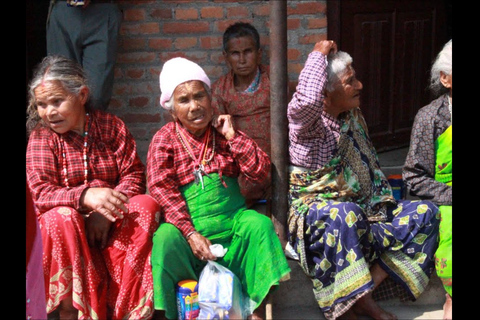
x: 220, y: 294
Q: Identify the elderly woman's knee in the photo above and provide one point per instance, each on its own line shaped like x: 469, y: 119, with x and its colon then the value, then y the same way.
x: 145, y: 205
x: 167, y: 235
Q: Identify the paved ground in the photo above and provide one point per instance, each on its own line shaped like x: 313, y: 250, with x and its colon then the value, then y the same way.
x: 405, y: 312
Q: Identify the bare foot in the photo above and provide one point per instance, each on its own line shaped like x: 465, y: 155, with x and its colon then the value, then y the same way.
x: 368, y: 307
x: 447, y: 308
x: 66, y: 310
x: 159, y: 315
x: 348, y: 315
x: 259, y: 313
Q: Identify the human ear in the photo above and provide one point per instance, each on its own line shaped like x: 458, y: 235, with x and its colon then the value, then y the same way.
x: 83, y: 94
x: 173, y: 114
x: 446, y: 79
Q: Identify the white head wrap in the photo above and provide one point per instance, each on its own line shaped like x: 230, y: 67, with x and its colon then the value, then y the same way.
x: 177, y: 71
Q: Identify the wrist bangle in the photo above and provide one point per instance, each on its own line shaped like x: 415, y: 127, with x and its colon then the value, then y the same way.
x: 188, y: 235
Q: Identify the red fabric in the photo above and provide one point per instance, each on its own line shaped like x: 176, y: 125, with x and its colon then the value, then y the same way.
x: 117, y: 281
x: 251, y: 115
x: 118, y: 276
x: 31, y: 222
x: 169, y: 166
x: 112, y: 162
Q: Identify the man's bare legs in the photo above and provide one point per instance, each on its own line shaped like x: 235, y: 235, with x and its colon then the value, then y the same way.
x: 447, y: 308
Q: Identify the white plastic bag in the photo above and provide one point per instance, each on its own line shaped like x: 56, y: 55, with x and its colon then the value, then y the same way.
x: 220, y: 293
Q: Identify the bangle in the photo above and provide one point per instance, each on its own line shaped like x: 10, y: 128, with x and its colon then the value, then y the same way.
x: 188, y: 235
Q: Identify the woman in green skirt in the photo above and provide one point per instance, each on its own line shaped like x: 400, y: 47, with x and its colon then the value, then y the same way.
x: 192, y: 167
x: 428, y: 167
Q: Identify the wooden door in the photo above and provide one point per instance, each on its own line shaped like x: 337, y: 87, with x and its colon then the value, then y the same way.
x: 393, y: 44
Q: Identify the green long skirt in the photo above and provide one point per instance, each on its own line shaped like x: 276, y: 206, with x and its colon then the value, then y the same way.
x: 443, y: 256
x: 254, y: 255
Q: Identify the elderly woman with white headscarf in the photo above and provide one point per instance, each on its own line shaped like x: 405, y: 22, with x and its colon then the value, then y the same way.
x: 192, y: 168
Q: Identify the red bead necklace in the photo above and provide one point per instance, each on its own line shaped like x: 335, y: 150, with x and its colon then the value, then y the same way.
x: 85, y: 158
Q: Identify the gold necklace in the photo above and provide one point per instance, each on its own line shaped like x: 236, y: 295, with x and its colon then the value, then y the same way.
x: 198, y: 164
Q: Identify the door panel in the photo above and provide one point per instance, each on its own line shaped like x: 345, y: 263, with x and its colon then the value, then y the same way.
x: 393, y: 44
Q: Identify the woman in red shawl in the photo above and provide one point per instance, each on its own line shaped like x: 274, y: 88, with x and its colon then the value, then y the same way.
x: 88, y: 184
x: 244, y: 93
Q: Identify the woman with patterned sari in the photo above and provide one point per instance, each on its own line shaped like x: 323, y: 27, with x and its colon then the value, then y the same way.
x: 87, y: 182
x: 193, y: 164
x: 428, y: 167
x: 346, y: 227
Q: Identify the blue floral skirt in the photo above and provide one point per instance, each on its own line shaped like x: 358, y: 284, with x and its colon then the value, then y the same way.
x: 339, y: 245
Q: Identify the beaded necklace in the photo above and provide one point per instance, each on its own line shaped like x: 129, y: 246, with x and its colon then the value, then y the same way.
x: 200, y: 162
x: 85, y: 159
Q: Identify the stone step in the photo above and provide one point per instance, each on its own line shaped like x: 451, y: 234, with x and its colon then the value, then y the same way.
x: 294, y: 299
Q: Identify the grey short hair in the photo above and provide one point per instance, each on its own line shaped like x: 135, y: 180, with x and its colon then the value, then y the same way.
x: 442, y: 63
x: 336, y: 67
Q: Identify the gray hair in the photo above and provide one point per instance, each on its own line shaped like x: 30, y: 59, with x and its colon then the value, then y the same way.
x: 443, y: 63
x: 169, y: 104
x: 54, y: 68
x: 336, y: 67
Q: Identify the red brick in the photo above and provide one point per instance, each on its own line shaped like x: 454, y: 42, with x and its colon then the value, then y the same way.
x: 293, y: 54
x: 295, y: 67
x: 185, y: 43
x: 186, y: 14
x: 134, y: 14
x: 217, y: 57
x: 114, y: 104
x: 306, y: 7
x: 293, y: 24
x: 140, y: 28
x: 160, y: 43
x: 237, y: 12
x: 136, y: 57
x: 162, y: 14
x: 224, y: 24
x: 133, y: 43
x: 211, y: 43
x: 262, y: 10
x: 312, y: 38
x: 138, y: 102
x: 186, y: 27
x: 134, y: 73
x: 141, y: 117
x: 317, y: 23
x: 211, y: 12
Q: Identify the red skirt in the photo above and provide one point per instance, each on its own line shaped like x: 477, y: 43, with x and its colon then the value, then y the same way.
x: 113, y: 283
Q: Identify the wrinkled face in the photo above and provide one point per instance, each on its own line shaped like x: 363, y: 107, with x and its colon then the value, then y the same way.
x: 192, y: 106
x: 242, y: 56
x: 346, y: 95
x: 59, y: 109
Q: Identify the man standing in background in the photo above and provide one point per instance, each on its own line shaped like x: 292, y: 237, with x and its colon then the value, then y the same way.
x: 87, y: 31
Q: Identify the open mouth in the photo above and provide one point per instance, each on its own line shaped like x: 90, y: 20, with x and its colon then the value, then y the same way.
x: 198, y: 118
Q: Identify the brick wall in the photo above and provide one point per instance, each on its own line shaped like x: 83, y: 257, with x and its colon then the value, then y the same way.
x: 156, y: 30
